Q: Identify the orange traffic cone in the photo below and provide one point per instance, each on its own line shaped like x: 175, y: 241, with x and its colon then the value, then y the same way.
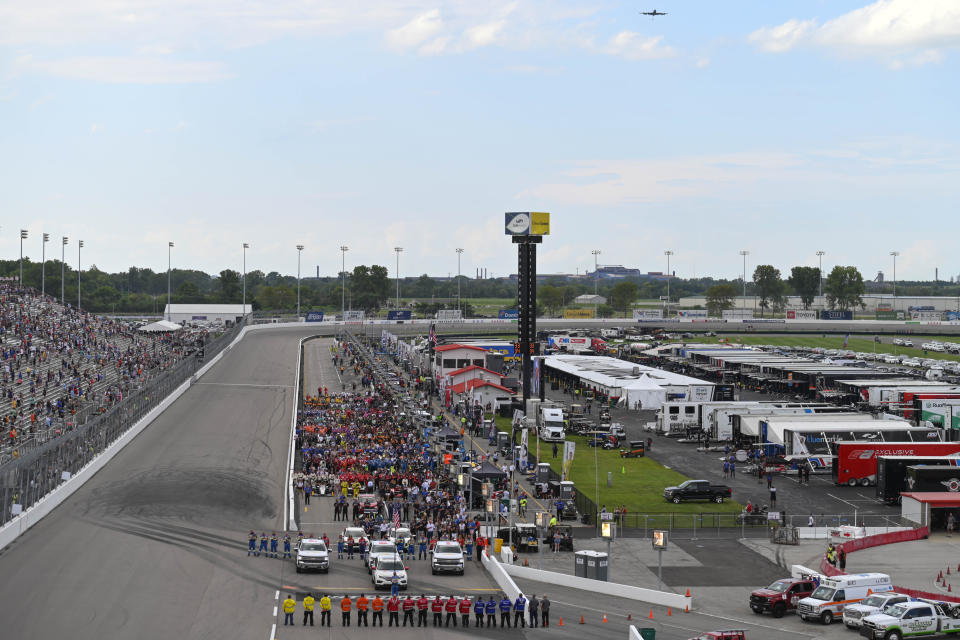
x: 948, y: 570
x: 604, y: 618
x: 688, y: 592
x: 581, y: 618
x: 949, y: 590
x: 629, y: 617
x: 669, y: 611
x: 560, y: 624
x: 651, y: 614
x: 687, y: 609
x: 526, y: 563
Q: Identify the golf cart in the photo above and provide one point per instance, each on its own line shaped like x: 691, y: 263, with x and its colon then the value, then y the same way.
x: 637, y: 450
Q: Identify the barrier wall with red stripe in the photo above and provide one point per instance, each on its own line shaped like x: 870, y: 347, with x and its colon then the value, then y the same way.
x: 857, y: 544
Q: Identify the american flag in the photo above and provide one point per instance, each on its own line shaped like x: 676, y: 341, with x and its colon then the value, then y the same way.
x: 396, y: 517
x: 433, y: 335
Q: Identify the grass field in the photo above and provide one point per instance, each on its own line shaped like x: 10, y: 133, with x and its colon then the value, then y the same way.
x: 638, y: 483
x: 836, y: 342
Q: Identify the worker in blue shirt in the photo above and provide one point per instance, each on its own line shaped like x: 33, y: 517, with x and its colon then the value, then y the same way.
x: 411, y: 548
x: 478, y: 609
x: 340, y: 548
x: 423, y: 548
x: 491, y: 611
x: 263, y: 544
x: 505, y: 607
x: 400, y: 547
x: 274, y: 541
x: 286, y: 546
x: 253, y: 544
x: 394, y: 584
x: 519, y: 611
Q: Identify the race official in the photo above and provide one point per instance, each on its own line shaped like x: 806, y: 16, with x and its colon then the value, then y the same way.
x: 325, y: 606
x: 393, y: 607
x: 363, y: 604
x: 545, y: 611
x: 519, y: 611
x: 308, y: 603
x: 289, y: 606
x: 451, y: 608
x: 491, y: 610
x: 377, y: 606
x: 534, y: 607
x: 478, y: 607
x: 345, y: 606
x: 465, y: 606
x: 437, y: 608
x: 506, y: 606
x: 408, y: 606
x: 422, y: 605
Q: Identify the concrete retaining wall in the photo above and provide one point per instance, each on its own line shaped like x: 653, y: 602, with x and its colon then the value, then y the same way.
x: 652, y: 596
x: 499, y: 575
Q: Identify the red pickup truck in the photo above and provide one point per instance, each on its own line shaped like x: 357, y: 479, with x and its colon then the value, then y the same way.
x: 723, y: 635
x: 781, y: 596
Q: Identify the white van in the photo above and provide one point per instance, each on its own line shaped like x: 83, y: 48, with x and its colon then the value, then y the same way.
x: 833, y: 594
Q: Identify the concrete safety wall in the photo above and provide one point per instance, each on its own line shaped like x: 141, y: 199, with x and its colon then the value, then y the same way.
x: 652, y: 596
x: 499, y: 575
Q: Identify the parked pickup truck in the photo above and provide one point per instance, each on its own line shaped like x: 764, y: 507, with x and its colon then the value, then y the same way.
x: 697, y: 490
x: 781, y: 596
x: 853, y: 614
x: 917, y: 618
x: 731, y: 634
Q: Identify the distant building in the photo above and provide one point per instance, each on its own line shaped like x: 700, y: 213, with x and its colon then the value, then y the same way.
x: 589, y: 298
x: 181, y: 313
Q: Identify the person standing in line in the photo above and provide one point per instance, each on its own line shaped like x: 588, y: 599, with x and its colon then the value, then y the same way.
x: 363, y: 603
x: 252, y: 549
x: 286, y: 545
x: 325, y: 606
x: 491, y: 610
x: 408, y: 606
x: 534, y: 611
x: 773, y: 497
x: 340, y: 548
x: 842, y: 556
x: 306, y: 494
x: 345, y: 605
x: 465, y: 606
x: 274, y: 541
x: 733, y: 469
x: 451, y: 608
x: 422, y: 604
x: 289, y: 606
x: 545, y: 611
x: 377, y: 606
x: 478, y: 608
x: 422, y: 554
x: 520, y: 611
x: 505, y: 607
x: 263, y: 545
x: 394, y: 585
x: 437, y: 608
x: 393, y: 608
x: 308, y: 603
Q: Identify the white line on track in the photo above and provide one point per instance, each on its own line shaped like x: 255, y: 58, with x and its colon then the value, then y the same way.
x: 273, y: 632
x: 276, y: 595
x: 274, y: 612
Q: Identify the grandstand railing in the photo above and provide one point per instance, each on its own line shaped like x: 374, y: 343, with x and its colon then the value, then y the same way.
x: 52, y: 455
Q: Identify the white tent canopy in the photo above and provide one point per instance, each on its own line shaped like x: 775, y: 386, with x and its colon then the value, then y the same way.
x: 160, y: 326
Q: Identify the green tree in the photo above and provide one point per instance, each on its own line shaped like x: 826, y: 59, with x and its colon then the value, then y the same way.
x: 769, y: 286
x: 229, y: 286
x: 844, y: 288
x: 720, y: 298
x: 622, y: 295
x: 805, y: 282
x: 550, y: 297
x: 187, y: 292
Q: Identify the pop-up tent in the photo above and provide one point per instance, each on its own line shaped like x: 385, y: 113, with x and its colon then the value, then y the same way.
x: 160, y: 326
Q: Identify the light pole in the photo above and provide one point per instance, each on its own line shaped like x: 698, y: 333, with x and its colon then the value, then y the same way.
x: 820, y: 255
x: 744, y: 253
x: 43, y: 269
x: 668, y: 253
x: 169, y: 252
x: 63, y: 262
x: 343, y: 281
x: 459, y: 251
x: 79, y: 246
x: 23, y: 236
x: 894, y: 254
x: 299, y: 250
x: 399, y: 250
x: 596, y: 277
x: 245, y: 247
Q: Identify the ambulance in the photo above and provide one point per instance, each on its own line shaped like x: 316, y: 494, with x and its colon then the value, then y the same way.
x: 828, y: 601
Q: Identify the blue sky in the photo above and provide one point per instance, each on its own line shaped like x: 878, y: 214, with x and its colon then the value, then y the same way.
x: 781, y: 128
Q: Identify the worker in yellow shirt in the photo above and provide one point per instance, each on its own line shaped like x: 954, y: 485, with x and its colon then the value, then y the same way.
x: 308, y: 603
x: 325, y: 606
x: 289, y: 606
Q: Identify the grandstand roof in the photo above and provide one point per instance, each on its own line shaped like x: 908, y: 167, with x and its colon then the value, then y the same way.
x: 159, y: 326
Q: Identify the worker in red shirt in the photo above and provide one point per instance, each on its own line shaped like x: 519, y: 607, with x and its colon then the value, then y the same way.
x: 408, y: 606
x: 451, y: 609
x: 465, y: 606
x: 422, y: 604
x: 393, y: 607
x: 437, y: 608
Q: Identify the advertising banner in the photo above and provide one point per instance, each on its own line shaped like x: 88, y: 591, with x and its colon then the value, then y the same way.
x: 832, y: 314
x: 314, y: 316
x: 648, y: 314
x: 737, y: 314
x: 508, y: 314
x: 925, y: 315
x: 353, y: 316
x: 577, y: 313
x: 527, y: 223
x: 890, y: 315
x: 398, y: 314
x: 449, y: 315
x: 569, y: 450
x: 801, y: 314
x: 692, y: 313
x: 953, y: 316
x: 942, y: 412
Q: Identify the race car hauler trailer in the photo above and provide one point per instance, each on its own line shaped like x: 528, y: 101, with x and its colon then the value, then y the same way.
x: 933, y: 478
x: 892, y: 472
x: 855, y: 462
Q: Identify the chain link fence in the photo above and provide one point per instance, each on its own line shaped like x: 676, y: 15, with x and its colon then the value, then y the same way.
x: 44, y: 462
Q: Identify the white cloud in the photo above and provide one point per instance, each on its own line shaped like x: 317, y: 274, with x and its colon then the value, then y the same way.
x: 417, y: 31
x: 631, y: 45
x: 908, y: 32
x: 95, y: 128
x: 133, y: 70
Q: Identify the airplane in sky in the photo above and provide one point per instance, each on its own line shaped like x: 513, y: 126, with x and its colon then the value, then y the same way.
x: 652, y: 13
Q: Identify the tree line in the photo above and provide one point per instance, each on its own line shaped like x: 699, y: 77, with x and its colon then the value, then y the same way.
x: 843, y: 288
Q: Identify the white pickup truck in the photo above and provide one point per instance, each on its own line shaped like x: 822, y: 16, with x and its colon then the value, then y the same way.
x: 916, y: 618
